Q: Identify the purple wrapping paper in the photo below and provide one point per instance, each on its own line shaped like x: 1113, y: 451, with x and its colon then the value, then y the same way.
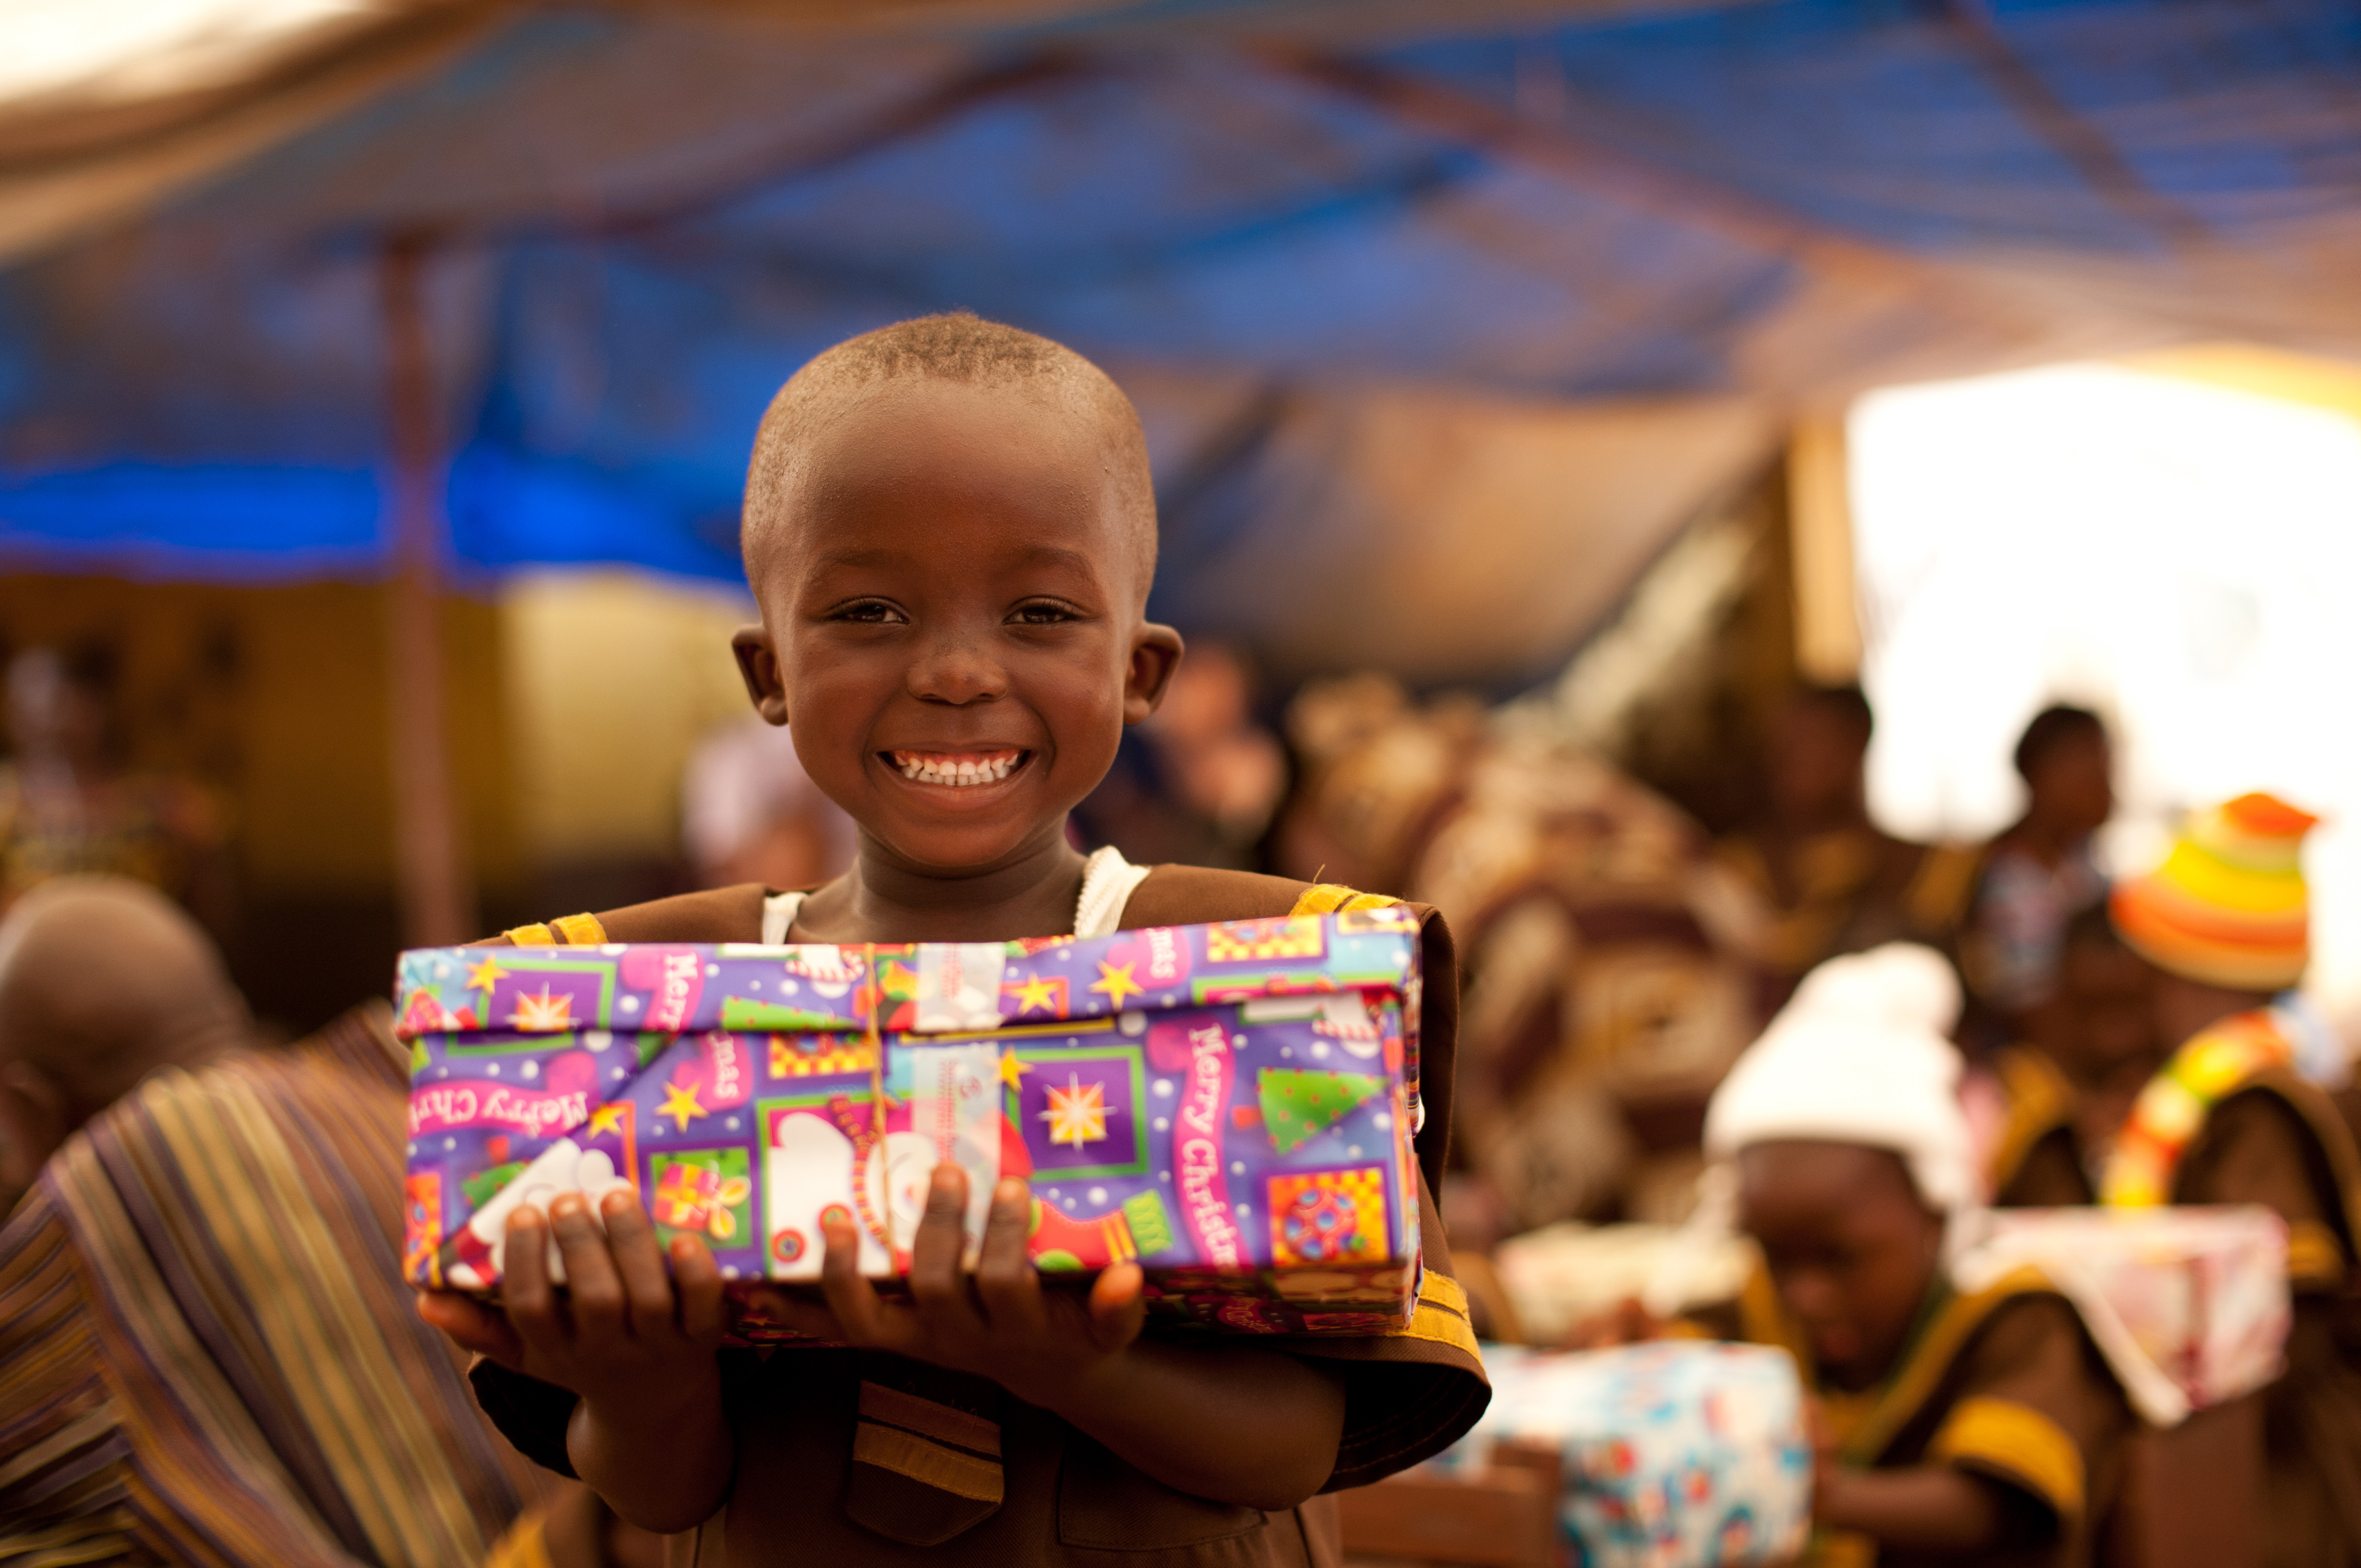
x: 1231, y: 1104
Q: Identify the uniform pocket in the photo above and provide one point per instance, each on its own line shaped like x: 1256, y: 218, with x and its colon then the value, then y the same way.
x: 1106, y: 1505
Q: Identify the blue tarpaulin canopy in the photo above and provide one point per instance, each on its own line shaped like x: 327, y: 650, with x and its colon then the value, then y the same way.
x: 1442, y: 316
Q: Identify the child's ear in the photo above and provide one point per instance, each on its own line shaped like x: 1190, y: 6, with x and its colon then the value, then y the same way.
x: 1155, y: 654
x: 758, y: 665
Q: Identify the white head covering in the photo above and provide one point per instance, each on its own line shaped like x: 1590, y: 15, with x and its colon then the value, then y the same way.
x: 1859, y: 1057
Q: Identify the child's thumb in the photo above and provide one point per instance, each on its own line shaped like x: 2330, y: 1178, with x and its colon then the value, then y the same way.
x: 1118, y: 1306
x: 473, y: 1326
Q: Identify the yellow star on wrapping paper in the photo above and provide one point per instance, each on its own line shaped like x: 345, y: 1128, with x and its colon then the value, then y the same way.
x: 1114, y: 982
x: 1013, y: 1071
x: 481, y: 977
x: 544, y: 1014
x: 1077, y: 1113
x: 610, y: 1119
x: 681, y: 1104
x: 1037, y: 993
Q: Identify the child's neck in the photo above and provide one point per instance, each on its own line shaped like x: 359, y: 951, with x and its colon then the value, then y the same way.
x: 884, y: 899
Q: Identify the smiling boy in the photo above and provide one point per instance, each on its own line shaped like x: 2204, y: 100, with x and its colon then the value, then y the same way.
x: 950, y: 532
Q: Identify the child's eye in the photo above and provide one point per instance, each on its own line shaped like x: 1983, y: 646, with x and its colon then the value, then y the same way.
x: 872, y: 611
x: 1042, y: 612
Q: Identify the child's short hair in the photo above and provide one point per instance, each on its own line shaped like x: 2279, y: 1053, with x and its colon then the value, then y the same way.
x: 954, y: 347
x: 2053, y: 726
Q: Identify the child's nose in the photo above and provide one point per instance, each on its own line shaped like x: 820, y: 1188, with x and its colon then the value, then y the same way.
x: 957, y: 668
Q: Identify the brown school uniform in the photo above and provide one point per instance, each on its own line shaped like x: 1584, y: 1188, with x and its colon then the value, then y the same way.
x: 2276, y: 1140
x: 2037, y: 1163
x: 858, y: 1456
x: 2005, y: 1384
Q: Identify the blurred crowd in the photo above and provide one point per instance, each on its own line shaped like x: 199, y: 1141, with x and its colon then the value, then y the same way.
x: 163, y: 1158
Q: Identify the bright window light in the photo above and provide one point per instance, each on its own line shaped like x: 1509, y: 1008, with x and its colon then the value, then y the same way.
x: 2184, y: 557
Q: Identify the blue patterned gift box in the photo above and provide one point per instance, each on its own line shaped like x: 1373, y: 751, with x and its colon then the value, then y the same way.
x: 1231, y: 1104
x: 1681, y: 1453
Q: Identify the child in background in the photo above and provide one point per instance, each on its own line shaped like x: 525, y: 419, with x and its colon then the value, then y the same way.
x: 2240, y: 1114
x: 2090, y: 1046
x: 950, y: 531
x: 1956, y: 1426
x: 2041, y: 869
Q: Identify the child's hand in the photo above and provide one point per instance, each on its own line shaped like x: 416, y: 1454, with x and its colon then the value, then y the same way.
x: 1042, y: 1346
x: 625, y: 1334
x: 1827, y: 1473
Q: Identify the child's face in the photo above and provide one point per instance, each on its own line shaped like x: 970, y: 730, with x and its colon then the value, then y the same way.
x: 2073, y: 784
x: 2105, y: 1014
x: 951, y: 621
x: 1852, y: 1248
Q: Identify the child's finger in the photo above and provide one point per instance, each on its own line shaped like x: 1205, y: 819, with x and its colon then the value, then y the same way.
x: 935, y: 1283
x: 639, y: 1261
x: 703, y: 1312
x: 1005, y: 1280
x: 851, y: 1299
x: 1118, y: 1306
x: 526, y: 1289
x: 595, y: 1291
x: 473, y: 1326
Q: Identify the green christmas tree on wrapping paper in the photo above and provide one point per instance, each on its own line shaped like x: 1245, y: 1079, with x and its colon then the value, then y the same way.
x: 1298, y: 1105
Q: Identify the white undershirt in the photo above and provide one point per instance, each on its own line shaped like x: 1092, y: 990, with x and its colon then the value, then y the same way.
x: 1107, y: 882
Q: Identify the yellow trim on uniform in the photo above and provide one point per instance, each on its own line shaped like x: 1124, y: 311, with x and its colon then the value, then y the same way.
x: 929, y: 1418
x: 1331, y: 898
x: 1441, y: 1317
x: 931, y: 1464
x: 1762, y: 1318
x: 1939, y: 889
x: 2018, y: 1443
x: 2315, y: 1258
x: 581, y: 930
x: 533, y: 936
x: 2040, y: 1101
x: 526, y: 1545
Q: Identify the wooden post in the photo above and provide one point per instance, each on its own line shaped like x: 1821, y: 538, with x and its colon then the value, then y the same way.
x: 1819, y: 522
x: 430, y: 869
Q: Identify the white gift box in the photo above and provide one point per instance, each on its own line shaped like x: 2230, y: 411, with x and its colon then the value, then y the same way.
x: 2189, y: 1306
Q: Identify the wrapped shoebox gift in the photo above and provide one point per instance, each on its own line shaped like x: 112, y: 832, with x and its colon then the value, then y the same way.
x: 1230, y: 1104
x: 2189, y: 1306
x: 1679, y: 1453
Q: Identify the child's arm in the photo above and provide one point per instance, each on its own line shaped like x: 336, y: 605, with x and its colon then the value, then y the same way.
x: 1233, y: 1424
x: 1929, y: 1508
x: 648, y: 1435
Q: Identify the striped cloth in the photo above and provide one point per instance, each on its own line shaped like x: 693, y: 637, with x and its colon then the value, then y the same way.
x: 207, y: 1354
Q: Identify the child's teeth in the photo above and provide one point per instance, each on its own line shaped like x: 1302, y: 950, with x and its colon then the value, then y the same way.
x: 955, y: 772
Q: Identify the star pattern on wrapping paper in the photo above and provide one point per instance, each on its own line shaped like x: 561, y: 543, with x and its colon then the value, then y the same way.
x: 1037, y: 994
x: 1012, y: 1069
x: 681, y: 1104
x: 1077, y: 1112
x: 610, y: 1118
x: 544, y: 1014
x: 485, y: 975
x: 1114, y: 982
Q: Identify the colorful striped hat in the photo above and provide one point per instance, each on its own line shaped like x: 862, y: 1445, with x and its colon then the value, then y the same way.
x: 2228, y: 905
